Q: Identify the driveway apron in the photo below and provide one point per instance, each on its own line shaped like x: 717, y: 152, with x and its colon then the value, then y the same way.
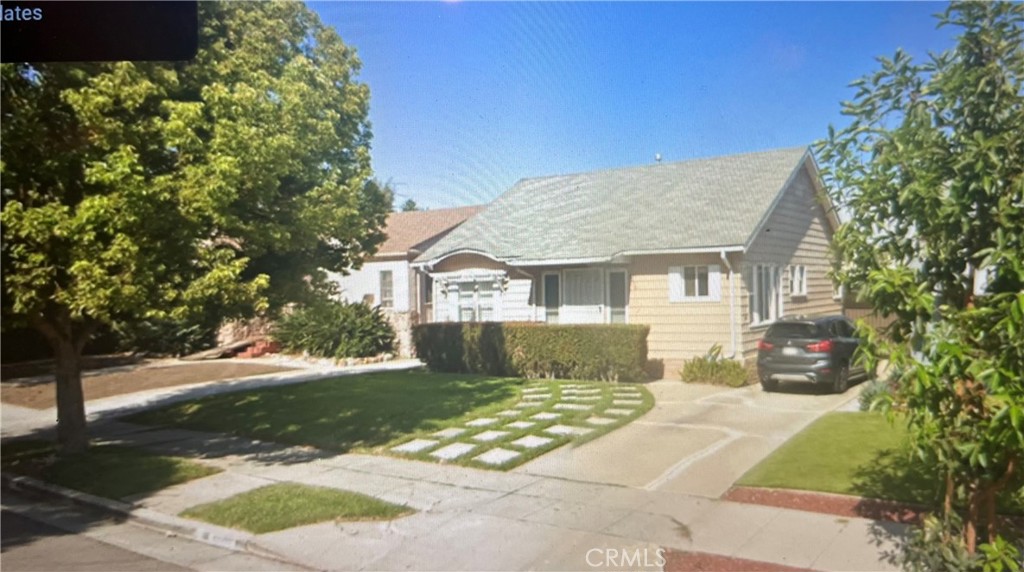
x: 697, y: 440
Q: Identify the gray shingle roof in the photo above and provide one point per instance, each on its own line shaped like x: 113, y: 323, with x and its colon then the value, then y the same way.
x: 701, y: 203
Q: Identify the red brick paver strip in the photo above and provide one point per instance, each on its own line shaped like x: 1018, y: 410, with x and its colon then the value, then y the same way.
x: 827, y: 503
x: 680, y: 561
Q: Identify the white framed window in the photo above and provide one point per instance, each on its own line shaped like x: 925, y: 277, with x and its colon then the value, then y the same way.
x: 765, y: 294
x: 387, y: 289
x: 694, y: 283
x: 797, y: 280
x: 473, y: 299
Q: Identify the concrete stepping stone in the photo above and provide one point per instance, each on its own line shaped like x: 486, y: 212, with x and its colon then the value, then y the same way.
x: 497, y: 456
x: 581, y: 397
x: 536, y: 389
x: 449, y: 432
x: 595, y: 420
x: 573, y: 406
x: 414, y: 446
x: 532, y: 441
x: 487, y: 436
x: 627, y: 402
x: 453, y: 451
x: 526, y: 405
x: 619, y: 412
x: 567, y: 430
x: 537, y: 397
x: 520, y: 425
x: 594, y: 391
x: 482, y: 422
x: 546, y: 416
x: 509, y: 413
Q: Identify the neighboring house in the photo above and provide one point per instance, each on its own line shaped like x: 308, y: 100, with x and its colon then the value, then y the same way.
x: 704, y: 252
x: 385, y: 279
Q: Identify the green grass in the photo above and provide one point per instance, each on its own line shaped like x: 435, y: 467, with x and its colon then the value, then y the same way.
x: 859, y: 454
x: 104, y: 470
x: 568, y: 417
x: 354, y: 413
x: 373, y: 413
x: 277, y: 507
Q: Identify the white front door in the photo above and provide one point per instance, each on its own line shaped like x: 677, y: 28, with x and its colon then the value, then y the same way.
x: 582, y: 297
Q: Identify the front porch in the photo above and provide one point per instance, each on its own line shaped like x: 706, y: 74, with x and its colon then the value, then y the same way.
x: 555, y: 295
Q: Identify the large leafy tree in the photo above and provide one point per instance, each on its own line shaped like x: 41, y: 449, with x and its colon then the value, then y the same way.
x: 930, y: 171
x: 162, y: 189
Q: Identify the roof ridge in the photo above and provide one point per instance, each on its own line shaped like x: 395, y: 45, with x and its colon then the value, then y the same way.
x: 803, y: 148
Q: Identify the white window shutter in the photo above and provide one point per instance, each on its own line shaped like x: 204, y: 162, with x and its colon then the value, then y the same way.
x: 715, y: 283
x: 675, y: 283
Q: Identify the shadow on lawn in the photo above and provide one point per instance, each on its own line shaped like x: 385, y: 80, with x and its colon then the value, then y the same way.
x: 336, y: 415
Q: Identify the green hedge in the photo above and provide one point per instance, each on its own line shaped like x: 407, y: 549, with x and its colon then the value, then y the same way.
x: 595, y: 352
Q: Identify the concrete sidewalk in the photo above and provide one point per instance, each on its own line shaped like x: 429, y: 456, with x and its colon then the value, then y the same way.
x: 473, y: 519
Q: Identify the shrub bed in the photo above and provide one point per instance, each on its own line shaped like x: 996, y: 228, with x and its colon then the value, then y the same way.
x: 711, y: 368
x: 597, y: 352
x: 335, y: 329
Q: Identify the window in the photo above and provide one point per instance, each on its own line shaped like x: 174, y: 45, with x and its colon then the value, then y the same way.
x: 838, y: 290
x: 387, y: 289
x: 473, y: 300
x: 765, y: 294
x: 694, y: 283
x: 798, y: 280
x: 428, y: 290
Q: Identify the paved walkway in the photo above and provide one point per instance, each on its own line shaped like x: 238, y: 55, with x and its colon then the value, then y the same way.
x: 648, y: 485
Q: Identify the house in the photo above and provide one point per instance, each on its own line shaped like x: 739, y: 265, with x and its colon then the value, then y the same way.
x: 705, y: 252
x: 385, y: 279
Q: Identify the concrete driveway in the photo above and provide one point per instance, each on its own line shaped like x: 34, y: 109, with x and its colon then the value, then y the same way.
x: 697, y: 440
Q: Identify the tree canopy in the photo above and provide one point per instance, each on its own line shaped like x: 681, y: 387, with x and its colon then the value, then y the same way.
x: 930, y: 170
x: 136, y: 189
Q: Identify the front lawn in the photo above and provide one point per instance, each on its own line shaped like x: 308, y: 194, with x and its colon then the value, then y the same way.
x: 488, y: 422
x: 277, y: 507
x: 104, y: 470
x: 353, y: 413
x: 859, y: 454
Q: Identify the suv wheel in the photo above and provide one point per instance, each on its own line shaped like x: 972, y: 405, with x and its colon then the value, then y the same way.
x: 769, y: 384
x: 842, y: 381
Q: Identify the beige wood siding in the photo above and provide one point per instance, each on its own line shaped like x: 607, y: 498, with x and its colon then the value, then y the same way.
x: 679, y: 330
x: 797, y: 232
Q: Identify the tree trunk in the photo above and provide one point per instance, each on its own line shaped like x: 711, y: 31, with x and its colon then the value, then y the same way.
x: 971, y: 528
x: 71, y: 431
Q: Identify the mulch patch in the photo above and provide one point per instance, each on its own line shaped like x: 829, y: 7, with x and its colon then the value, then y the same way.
x: 42, y: 394
x: 826, y: 503
x: 684, y: 561
x: 844, y: 505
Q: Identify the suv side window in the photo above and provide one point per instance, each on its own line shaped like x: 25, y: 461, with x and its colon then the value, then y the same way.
x: 834, y: 330
x: 844, y: 328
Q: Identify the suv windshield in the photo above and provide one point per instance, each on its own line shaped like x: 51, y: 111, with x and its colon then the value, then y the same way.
x: 793, y: 330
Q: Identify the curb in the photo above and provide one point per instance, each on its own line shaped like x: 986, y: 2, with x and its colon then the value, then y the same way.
x: 213, y: 535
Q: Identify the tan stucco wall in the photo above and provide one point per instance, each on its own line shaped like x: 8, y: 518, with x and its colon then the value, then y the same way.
x: 679, y: 330
x: 797, y: 232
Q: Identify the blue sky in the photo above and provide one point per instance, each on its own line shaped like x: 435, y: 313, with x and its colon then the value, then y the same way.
x: 467, y: 98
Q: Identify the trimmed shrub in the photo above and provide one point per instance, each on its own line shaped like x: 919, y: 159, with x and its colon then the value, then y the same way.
x: 335, y: 329
x: 597, y: 352
x: 711, y: 368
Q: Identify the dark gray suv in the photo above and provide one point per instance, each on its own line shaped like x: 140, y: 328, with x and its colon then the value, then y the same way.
x: 809, y: 350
